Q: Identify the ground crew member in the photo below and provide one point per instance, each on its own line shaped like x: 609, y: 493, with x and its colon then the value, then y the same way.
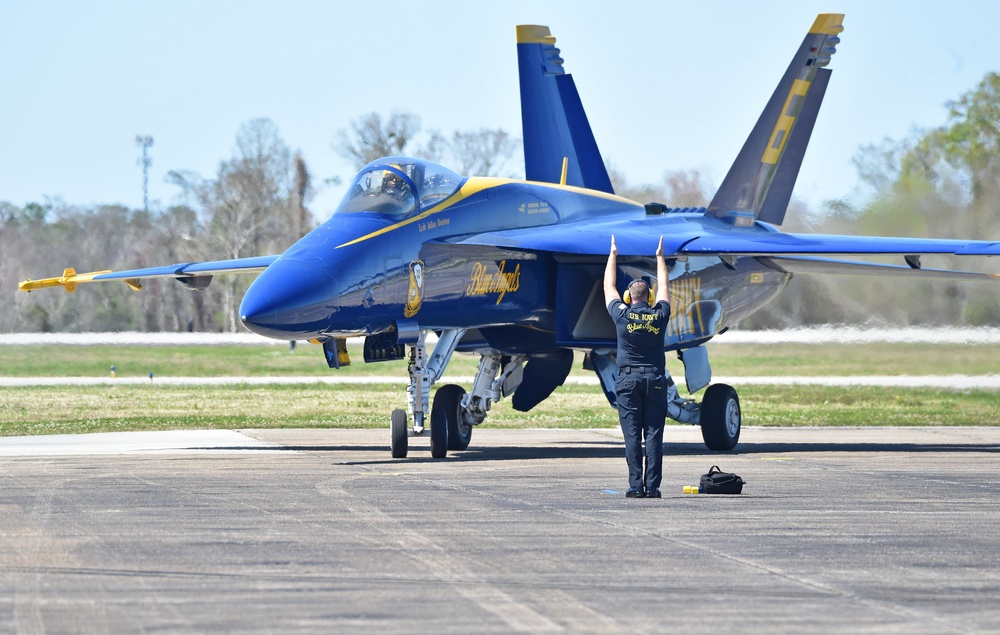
x: 642, y: 382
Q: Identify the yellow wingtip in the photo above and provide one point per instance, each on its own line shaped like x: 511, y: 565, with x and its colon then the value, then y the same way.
x: 68, y: 281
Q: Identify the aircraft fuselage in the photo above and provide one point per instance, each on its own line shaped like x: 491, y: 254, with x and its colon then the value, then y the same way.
x: 363, y: 272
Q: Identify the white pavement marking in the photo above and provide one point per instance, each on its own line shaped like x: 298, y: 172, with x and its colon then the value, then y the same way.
x: 203, y: 381
x: 819, y: 335
x: 158, y: 442
x: 136, y: 339
x: 445, y: 564
x: 953, y: 382
x: 855, y: 335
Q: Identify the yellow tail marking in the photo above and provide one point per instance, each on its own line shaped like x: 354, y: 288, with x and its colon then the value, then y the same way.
x: 779, y: 137
x: 828, y: 24
x: 565, y: 167
x: 534, y: 34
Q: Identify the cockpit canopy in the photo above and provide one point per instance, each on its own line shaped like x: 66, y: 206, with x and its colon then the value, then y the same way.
x: 397, y: 186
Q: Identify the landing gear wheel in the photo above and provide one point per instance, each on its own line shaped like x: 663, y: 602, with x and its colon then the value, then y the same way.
x: 449, y: 399
x: 399, y: 441
x: 439, y: 433
x: 720, y: 418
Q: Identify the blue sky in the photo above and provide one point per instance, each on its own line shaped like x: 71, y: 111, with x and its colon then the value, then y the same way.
x: 667, y: 85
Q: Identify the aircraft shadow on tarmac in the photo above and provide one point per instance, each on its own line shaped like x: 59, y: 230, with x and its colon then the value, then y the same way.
x: 568, y: 450
x: 614, y: 449
x: 788, y: 448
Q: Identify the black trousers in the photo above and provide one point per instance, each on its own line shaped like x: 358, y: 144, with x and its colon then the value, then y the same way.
x: 642, y: 411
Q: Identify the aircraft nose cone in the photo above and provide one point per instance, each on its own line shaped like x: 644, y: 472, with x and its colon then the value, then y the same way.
x: 291, y: 299
x: 257, y: 313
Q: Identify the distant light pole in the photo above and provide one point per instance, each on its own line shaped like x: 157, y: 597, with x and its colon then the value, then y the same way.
x: 145, y: 142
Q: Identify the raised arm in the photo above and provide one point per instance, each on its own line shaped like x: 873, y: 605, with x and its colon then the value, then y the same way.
x: 662, y: 279
x: 611, y: 275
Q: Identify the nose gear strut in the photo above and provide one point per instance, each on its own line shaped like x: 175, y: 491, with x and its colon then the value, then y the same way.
x: 454, y: 412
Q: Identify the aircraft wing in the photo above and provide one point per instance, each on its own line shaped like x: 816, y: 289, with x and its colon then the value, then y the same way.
x: 639, y: 237
x: 813, y: 265
x: 737, y: 243
x: 795, y: 253
x: 634, y: 237
x: 194, y: 274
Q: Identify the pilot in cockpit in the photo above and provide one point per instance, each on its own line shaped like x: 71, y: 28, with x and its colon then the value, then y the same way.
x: 393, y: 185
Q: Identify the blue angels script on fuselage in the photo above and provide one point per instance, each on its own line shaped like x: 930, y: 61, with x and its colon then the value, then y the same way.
x: 494, y: 278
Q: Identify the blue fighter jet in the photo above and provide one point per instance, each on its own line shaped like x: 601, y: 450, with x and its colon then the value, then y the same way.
x: 417, y: 256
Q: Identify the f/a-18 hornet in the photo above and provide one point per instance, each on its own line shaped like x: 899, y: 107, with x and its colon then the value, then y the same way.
x: 511, y: 270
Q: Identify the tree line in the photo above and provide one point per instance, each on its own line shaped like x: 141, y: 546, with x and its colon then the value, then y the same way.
x: 256, y: 203
x: 940, y: 183
x: 943, y: 182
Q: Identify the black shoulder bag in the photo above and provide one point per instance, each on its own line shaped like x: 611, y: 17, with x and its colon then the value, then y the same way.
x: 719, y: 482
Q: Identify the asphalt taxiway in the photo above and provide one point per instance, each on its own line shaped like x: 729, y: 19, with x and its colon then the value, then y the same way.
x: 889, y: 530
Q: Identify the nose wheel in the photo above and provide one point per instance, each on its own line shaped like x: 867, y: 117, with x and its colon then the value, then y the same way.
x: 454, y: 411
x: 439, y: 433
x: 400, y: 435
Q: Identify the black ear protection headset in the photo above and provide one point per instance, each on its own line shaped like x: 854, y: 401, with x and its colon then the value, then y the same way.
x: 627, y: 297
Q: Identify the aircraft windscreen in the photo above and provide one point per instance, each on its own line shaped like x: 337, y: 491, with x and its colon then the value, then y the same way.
x: 398, y: 186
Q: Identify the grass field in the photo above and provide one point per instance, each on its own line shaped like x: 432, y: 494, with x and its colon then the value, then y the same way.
x: 741, y: 360
x: 59, y: 410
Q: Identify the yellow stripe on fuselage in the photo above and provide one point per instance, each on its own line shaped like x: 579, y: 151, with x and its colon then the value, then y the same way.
x: 470, y: 187
x: 475, y: 185
x: 779, y: 136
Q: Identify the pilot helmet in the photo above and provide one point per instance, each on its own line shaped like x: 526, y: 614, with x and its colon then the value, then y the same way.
x: 390, y: 179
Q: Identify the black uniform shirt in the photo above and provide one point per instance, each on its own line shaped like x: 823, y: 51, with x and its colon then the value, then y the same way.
x: 641, y: 329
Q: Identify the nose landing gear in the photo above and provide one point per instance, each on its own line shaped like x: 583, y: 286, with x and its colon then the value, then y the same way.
x: 400, y: 441
x: 455, y: 411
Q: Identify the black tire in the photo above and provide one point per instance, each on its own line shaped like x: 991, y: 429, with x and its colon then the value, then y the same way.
x: 400, y: 435
x: 449, y: 399
x: 439, y: 433
x: 721, y: 418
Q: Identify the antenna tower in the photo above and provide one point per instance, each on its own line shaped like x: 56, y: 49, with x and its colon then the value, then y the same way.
x: 145, y: 142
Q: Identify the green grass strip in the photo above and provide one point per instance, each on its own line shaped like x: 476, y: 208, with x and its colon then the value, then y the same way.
x: 733, y: 360
x: 72, y: 410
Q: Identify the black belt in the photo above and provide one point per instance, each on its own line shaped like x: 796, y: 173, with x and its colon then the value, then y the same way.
x: 650, y: 370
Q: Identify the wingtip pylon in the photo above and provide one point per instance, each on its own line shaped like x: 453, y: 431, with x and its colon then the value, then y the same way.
x: 69, y: 280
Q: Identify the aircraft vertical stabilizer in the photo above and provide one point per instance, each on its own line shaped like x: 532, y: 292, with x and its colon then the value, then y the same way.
x: 555, y: 126
x: 760, y: 182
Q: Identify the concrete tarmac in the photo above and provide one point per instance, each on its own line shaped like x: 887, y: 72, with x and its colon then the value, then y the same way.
x: 891, y: 530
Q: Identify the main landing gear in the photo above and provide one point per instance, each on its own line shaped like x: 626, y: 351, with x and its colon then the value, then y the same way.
x: 720, y: 418
x: 718, y: 414
x: 454, y: 411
